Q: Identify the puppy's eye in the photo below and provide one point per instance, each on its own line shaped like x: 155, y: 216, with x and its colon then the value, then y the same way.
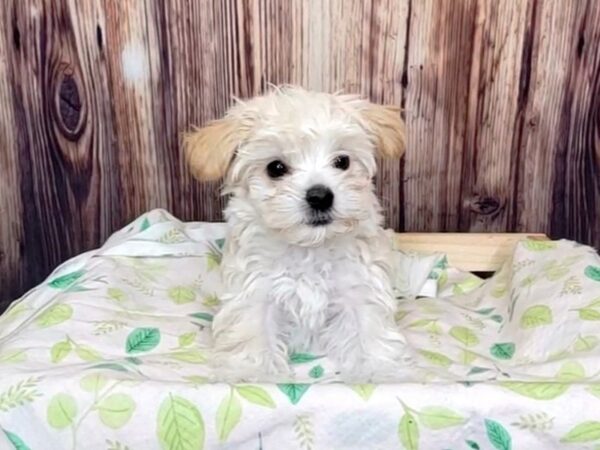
x: 276, y: 169
x: 342, y: 162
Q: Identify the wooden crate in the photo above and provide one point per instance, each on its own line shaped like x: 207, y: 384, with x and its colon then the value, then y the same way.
x: 473, y: 252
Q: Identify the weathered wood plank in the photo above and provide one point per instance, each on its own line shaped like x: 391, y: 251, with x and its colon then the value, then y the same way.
x: 11, y: 230
x: 61, y: 212
x: 135, y: 89
x: 358, y: 46
x: 492, y: 116
x: 559, y: 180
x: 501, y: 99
x: 440, y: 53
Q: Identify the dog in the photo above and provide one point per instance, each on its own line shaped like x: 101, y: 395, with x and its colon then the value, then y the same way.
x: 306, y: 264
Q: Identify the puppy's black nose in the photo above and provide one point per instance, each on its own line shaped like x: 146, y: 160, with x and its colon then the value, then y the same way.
x: 319, y: 197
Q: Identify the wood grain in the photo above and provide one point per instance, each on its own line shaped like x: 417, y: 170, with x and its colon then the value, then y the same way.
x: 11, y: 229
x: 472, y: 252
x: 501, y: 99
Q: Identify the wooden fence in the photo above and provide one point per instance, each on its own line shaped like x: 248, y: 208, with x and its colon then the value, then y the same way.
x: 501, y: 99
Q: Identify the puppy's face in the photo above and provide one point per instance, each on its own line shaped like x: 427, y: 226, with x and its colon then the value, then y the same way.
x: 301, y: 162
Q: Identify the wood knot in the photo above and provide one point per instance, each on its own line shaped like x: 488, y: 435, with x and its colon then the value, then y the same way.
x: 485, y: 206
x: 69, y: 109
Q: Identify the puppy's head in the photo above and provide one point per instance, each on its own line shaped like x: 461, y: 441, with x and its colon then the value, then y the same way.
x: 300, y: 162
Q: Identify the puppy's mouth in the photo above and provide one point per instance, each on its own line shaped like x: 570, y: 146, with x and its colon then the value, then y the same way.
x: 320, y: 220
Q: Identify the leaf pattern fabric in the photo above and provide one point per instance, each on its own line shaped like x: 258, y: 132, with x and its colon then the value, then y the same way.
x: 111, y: 352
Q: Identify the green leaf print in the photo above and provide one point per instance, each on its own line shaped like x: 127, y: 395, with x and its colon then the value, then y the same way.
x: 467, y: 285
x: 60, y: 351
x: 86, y: 353
x: 465, y: 336
x: 196, y: 380
x: 594, y: 389
x: 467, y: 357
x: 408, y: 431
x: 496, y: 318
x: 134, y: 360
x: 142, y: 340
x: 436, y: 358
x: 589, y: 314
x: 145, y: 224
x: 537, y: 390
x: 592, y: 272
x: 54, y: 315
x: 555, y: 271
x: 473, y: 445
x: 191, y: 355
x: 64, y: 281
x: 220, y: 243
x: 116, y: 294
x: 229, y: 414
x: 294, y: 392
x: 202, y: 316
x: 421, y: 323
x: 211, y: 301
x: 107, y: 326
x: 538, y: 246
x: 476, y: 370
x: 536, y: 316
x: 116, y: 445
x: 497, y: 435
x: 16, y: 441
x: 438, y: 417
x: 172, y: 236
x: 504, y: 350
x: 187, y: 339
x: 299, y: 358
x: 256, y: 395
x: 110, y: 366
x: 116, y: 410
x: 20, y: 394
x: 584, y: 432
x: 62, y: 411
x: 180, y: 425
x: 365, y: 391
x: 571, y: 371
x: 93, y: 382
x: 13, y: 356
x: 181, y: 295
x: 304, y: 432
x: 572, y: 286
x: 586, y: 343
x: 535, y: 422
x: 213, y: 256
x: 499, y: 290
x: 316, y: 372
x: 443, y: 279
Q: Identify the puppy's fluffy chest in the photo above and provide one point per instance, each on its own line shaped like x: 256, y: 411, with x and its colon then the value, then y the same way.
x: 304, y: 287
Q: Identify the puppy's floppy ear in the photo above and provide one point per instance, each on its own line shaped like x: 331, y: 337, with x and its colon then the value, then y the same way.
x: 210, y: 150
x: 388, y: 128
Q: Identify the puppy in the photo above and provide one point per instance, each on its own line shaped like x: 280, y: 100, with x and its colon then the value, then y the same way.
x: 306, y: 264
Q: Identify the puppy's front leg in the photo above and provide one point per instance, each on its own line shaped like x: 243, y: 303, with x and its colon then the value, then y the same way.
x: 246, y: 344
x: 362, y: 338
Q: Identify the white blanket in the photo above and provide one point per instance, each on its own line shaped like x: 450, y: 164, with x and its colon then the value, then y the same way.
x: 110, y: 353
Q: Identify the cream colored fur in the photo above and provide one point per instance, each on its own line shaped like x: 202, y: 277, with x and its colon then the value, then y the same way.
x: 292, y: 286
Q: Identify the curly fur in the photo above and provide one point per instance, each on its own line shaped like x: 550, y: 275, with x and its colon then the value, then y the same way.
x: 292, y: 286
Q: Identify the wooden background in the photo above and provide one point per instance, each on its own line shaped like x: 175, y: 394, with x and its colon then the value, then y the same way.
x: 502, y: 102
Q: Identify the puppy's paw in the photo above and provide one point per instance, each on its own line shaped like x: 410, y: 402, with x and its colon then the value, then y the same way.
x: 382, y: 361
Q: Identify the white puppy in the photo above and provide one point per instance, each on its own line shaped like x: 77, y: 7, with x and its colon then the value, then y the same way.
x: 306, y: 264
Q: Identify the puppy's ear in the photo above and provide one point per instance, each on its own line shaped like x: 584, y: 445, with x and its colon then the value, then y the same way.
x: 388, y: 128
x: 210, y: 150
